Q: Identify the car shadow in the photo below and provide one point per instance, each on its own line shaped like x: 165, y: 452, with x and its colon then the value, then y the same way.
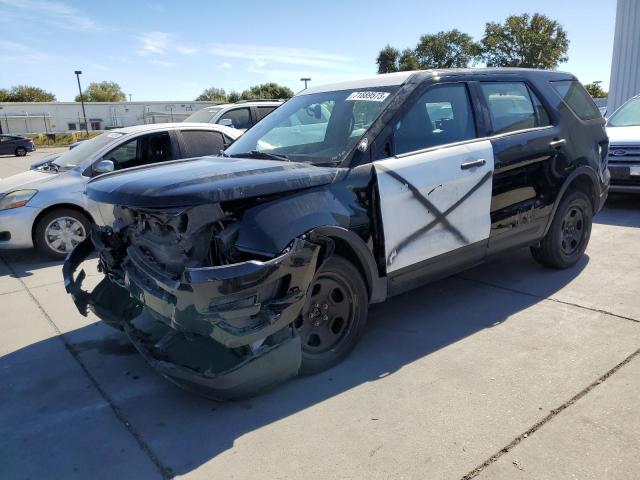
x: 185, y: 431
x: 621, y: 210
x: 26, y: 262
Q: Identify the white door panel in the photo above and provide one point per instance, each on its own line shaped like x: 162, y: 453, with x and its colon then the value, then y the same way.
x: 430, y: 205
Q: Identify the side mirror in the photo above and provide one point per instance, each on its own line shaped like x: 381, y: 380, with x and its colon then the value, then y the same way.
x: 226, y: 122
x: 104, y: 166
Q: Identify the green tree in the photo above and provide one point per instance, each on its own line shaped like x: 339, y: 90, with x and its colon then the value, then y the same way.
x: 25, y: 93
x: 388, y: 60
x: 450, y: 49
x: 595, y: 90
x: 233, y: 96
x: 212, y: 95
x: 408, y: 61
x: 267, y: 90
x: 103, y: 92
x: 533, y: 41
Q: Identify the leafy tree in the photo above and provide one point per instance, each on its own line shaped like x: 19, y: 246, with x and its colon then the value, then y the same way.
x: 451, y: 49
x: 408, y: 61
x: 267, y: 90
x: 212, y: 95
x: 25, y: 93
x: 103, y: 92
x: 233, y: 97
x: 596, y: 91
x: 533, y: 41
x: 388, y: 60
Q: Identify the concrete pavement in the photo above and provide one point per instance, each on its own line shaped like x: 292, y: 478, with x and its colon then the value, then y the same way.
x: 506, y: 371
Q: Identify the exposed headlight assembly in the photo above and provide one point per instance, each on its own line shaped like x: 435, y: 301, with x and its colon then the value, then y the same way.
x: 16, y: 199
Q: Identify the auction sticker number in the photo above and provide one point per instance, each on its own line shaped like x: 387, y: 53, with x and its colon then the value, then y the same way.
x: 367, y: 96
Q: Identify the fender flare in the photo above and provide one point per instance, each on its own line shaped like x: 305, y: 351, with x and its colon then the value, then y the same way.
x: 376, y: 284
x: 582, y: 170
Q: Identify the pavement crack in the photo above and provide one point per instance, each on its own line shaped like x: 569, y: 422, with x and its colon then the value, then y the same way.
x: 164, y: 471
x: 493, y: 458
x: 549, y: 299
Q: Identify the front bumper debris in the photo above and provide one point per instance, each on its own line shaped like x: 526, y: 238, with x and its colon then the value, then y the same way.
x: 221, y: 331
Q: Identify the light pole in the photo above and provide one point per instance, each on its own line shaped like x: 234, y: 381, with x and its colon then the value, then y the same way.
x: 129, y: 97
x: 84, y: 114
x: 305, y: 80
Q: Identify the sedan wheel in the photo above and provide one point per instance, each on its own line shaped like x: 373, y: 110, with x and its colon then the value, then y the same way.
x: 64, y: 233
x: 59, y: 231
x: 21, y: 151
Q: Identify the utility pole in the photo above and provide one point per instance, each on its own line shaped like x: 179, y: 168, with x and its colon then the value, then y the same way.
x: 129, y: 98
x: 84, y: 114
x: 305, y: 80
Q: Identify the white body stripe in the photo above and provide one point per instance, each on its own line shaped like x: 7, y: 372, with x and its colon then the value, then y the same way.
x: 440, y: 180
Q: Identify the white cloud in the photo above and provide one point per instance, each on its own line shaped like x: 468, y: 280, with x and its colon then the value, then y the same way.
x: 54, y: 13
x: 163, y: 63
x: 260, y: 55
x: 155, y: 43
x: 13, y: 52
x: 186, y: 49
x: 226, y: 65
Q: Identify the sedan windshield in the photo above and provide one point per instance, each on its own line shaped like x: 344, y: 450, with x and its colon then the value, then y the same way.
x: 316, y: 128
x: 73, y: 158
x: 202, y: 116
x: 627, y: 116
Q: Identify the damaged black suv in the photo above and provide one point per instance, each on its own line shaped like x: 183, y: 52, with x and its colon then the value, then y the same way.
x: 232, y: 273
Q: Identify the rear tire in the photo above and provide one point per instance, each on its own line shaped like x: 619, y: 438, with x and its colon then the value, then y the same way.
x: 569, y: 234
x: 20, y: 152
x: 59, y: 231
x: 334, y: 317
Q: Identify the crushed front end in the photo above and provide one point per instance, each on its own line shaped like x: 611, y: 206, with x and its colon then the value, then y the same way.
x: 206, y: 315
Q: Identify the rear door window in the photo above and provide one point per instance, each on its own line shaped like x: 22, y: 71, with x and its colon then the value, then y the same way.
x: 240, y: 118
x: 513, y: 107
x: 264, y: 111
x: 440, y: 116
x: 201, y: 143
x: 577, y: 98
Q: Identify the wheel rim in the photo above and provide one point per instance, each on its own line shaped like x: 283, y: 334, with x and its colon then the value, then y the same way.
x: 21, y: 151
x: 328, y: 316
x: 572, y: 230
x: 64, y: 233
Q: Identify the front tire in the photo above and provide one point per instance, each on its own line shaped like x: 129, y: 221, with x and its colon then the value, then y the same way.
x: 59, y: 231
x: 334, y: 316
x: 568, y: 237
x: 20, y: 152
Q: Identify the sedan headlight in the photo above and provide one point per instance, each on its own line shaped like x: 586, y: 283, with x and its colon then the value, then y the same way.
x: 16, y: 199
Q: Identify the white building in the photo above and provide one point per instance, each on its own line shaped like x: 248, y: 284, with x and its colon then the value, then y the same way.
x: 625, y: 65
x: 63, y: 117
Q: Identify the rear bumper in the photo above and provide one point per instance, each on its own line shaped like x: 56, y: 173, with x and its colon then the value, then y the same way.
x: 221, y: 331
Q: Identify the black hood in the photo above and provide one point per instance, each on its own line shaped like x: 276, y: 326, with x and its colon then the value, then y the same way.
x: 205, y: 180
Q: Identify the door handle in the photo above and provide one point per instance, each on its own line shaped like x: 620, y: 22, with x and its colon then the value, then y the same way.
x: 475, y: 163
x: 557, y: 143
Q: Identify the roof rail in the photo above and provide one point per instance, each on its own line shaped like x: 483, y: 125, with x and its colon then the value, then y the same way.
x: 262, y: 100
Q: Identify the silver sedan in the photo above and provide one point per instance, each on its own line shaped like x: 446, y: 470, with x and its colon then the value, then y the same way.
x: 46, y: 207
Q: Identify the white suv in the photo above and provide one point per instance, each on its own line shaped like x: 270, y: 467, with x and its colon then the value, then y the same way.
x: 241, y: 115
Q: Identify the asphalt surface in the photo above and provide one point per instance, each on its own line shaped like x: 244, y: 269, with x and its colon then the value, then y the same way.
x: 506, y: 371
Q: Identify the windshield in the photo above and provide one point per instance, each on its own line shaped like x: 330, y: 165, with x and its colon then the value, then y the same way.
x: 627, y: 116
x: 73, y: 158
x: 315, y: 128
x: 203, y: 116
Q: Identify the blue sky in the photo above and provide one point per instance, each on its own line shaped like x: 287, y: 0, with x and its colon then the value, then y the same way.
x: 172, y: 50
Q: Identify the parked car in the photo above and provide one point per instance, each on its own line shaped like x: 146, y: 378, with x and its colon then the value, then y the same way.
x: 241, y: 115
x: 623, y: 128
x: 231, y: 274
x: 46, y: 206
x: 16, y: 145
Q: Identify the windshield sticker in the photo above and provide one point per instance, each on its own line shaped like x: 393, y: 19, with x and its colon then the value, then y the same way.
x: 367, y: 96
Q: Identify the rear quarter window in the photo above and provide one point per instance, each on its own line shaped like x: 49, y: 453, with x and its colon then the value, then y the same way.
x: 579, y: 101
